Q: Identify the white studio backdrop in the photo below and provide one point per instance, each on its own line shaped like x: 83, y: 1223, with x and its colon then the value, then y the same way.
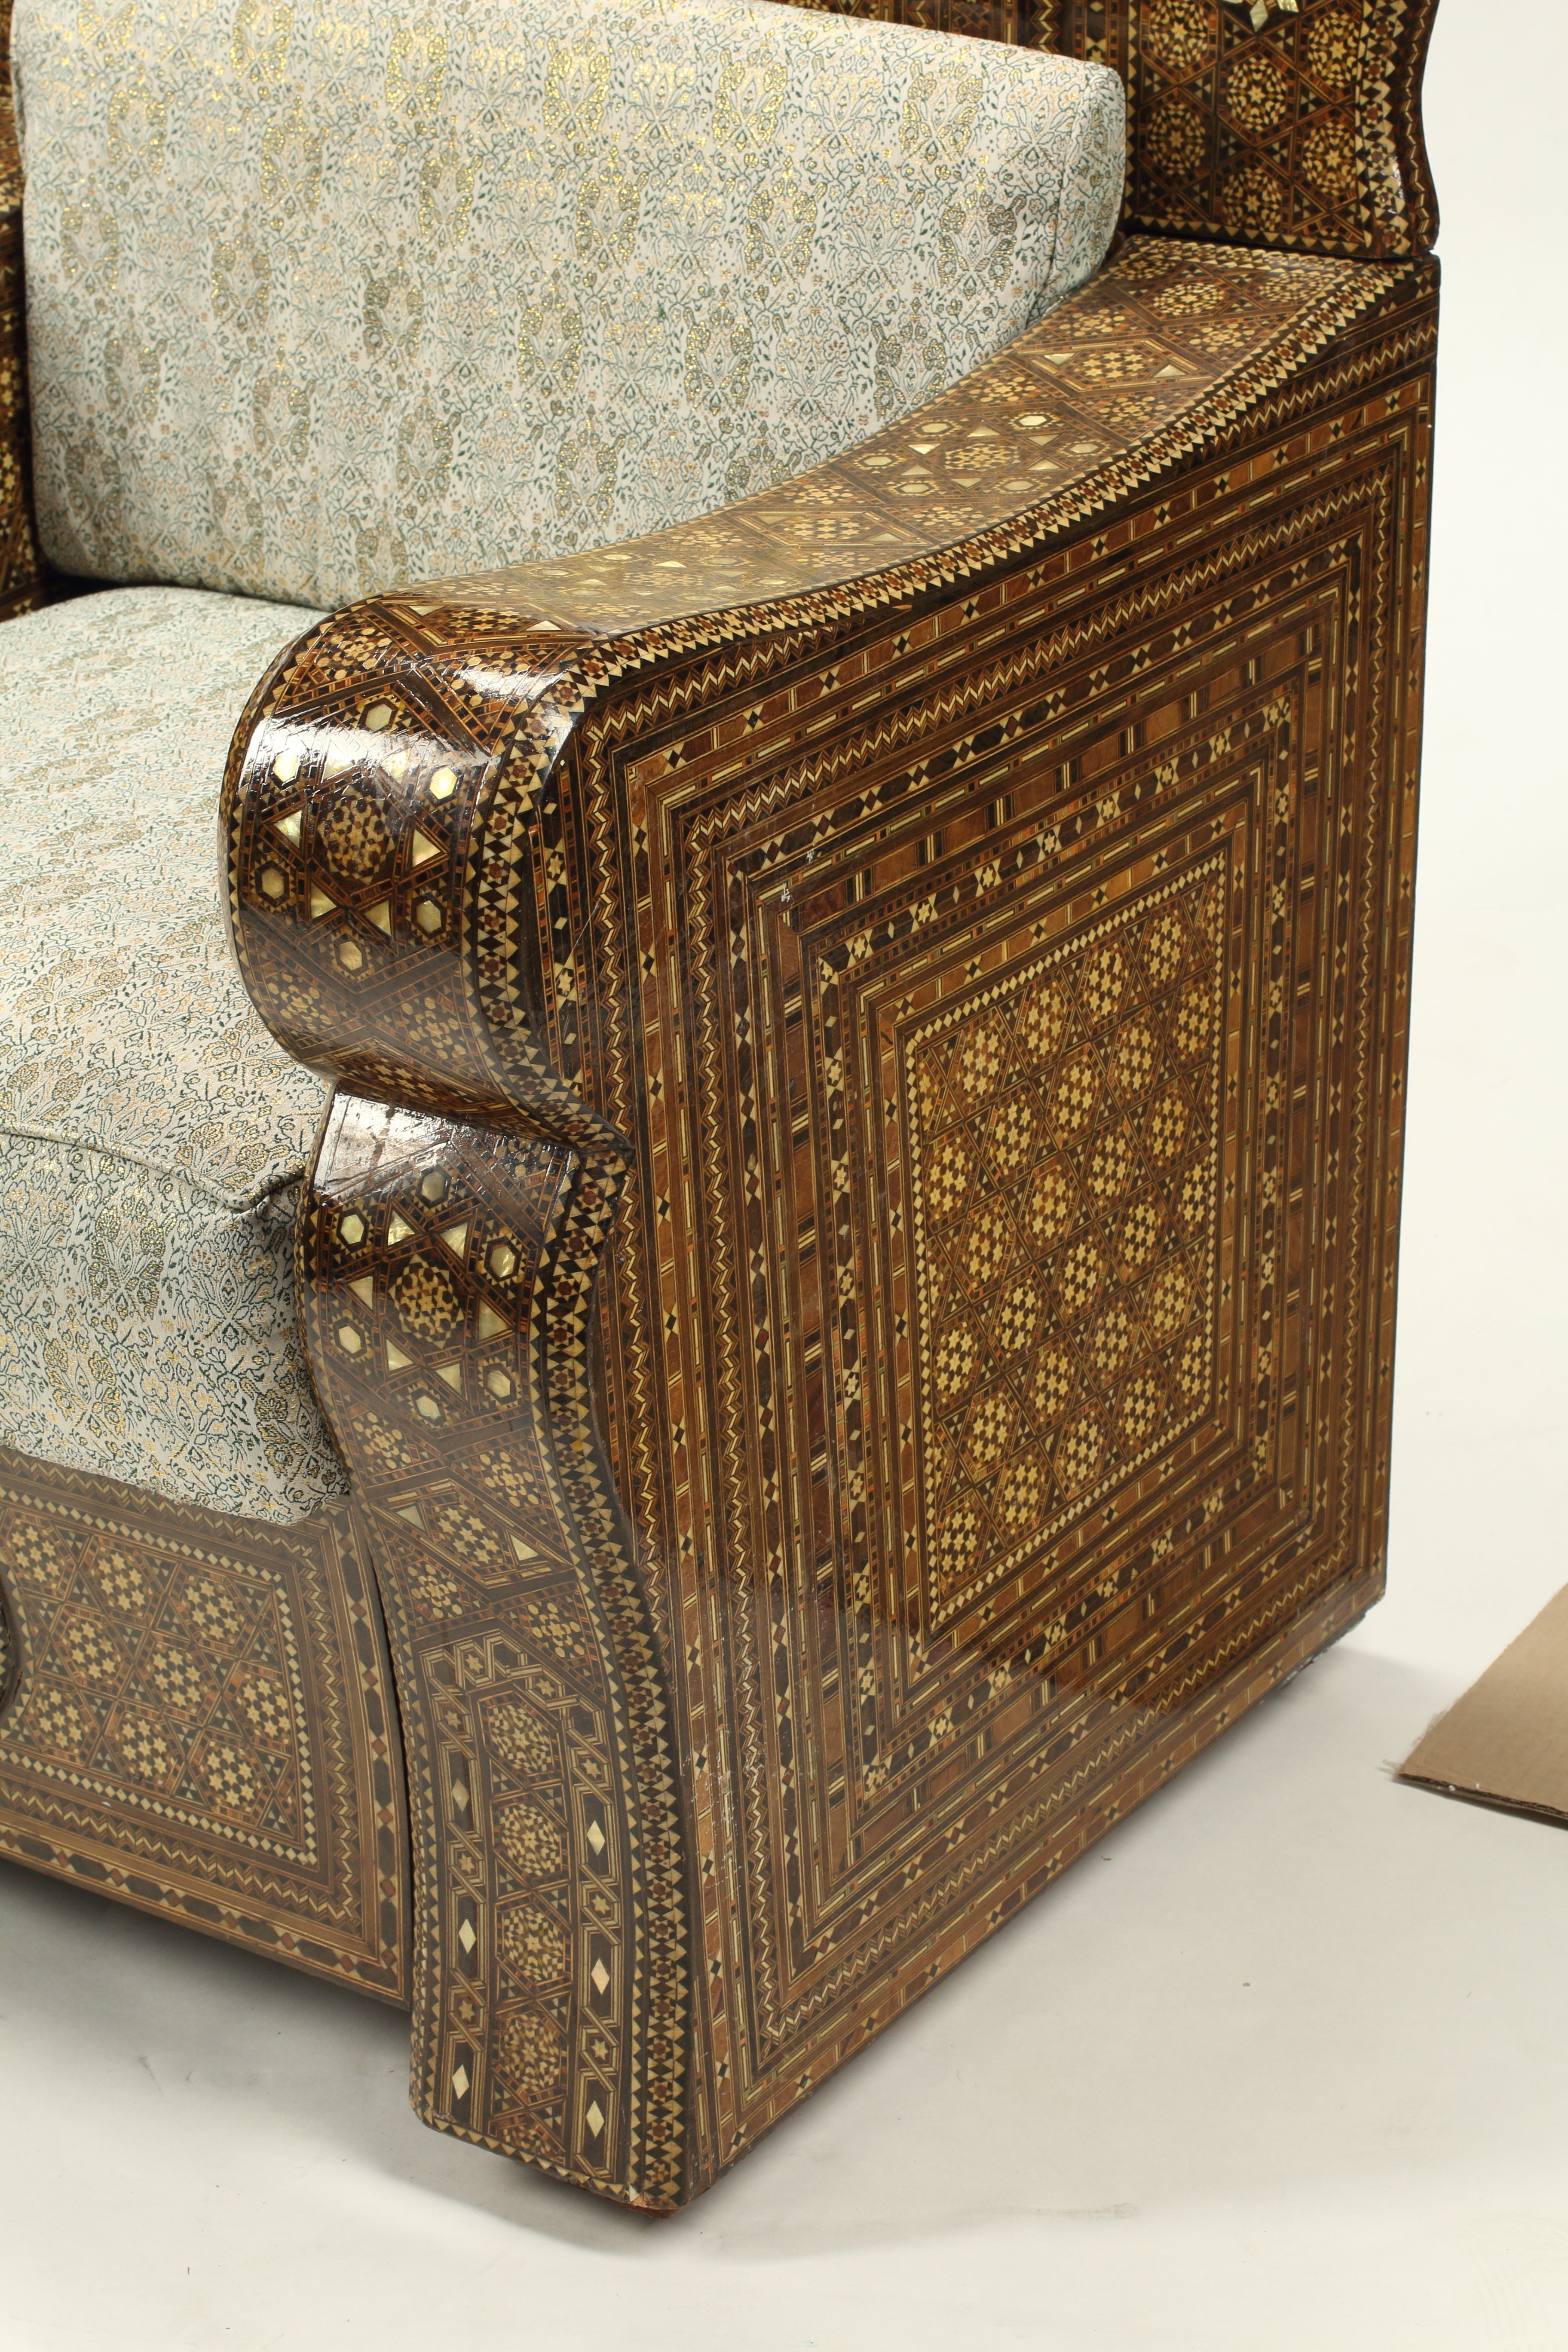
x: 1284, y: 2064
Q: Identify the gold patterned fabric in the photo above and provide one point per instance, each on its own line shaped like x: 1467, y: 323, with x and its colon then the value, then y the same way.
x: 319, y: 301
x: 155, y: 1135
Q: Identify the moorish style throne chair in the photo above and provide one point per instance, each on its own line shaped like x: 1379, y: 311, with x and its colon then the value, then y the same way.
x: 781, y: 1299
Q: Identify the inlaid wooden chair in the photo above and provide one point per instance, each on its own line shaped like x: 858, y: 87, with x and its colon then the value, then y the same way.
x: 790, y: 1303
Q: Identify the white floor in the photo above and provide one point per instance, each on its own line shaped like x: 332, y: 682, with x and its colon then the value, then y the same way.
x: 1285, y: 2063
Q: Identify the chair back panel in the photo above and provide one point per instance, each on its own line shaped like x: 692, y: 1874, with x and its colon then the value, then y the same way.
x: 1257, y: 122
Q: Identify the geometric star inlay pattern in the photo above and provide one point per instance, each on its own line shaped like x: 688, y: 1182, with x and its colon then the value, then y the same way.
x: 168, y: 1685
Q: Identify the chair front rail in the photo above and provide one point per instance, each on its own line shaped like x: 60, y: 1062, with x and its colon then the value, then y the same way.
x: 196, y: 1717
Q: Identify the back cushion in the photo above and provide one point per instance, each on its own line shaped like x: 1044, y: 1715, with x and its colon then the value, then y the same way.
x: 324, y: 296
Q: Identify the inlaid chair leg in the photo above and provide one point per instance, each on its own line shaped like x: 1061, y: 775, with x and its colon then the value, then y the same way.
x: 447, y: 1275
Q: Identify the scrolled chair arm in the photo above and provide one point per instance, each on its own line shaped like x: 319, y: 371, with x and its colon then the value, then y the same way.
x: 382, y: 823
x: 541, y: 868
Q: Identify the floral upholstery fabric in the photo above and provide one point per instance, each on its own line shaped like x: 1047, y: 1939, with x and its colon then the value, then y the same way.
x: 155, y: 1135
x: 321, y: 299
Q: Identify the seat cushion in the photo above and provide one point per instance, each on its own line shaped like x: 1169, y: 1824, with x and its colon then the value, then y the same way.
x: 153, y: 1134
x: 321, y: 299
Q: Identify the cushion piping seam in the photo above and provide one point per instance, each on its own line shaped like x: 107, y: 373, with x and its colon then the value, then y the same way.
x: 237, y: 1205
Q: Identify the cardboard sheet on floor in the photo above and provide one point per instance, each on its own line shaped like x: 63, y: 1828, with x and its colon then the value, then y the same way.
x: 1506, y: 1741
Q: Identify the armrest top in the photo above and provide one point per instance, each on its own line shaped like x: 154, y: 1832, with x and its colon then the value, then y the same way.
x: 1166, y: 346
x: 404, y: 889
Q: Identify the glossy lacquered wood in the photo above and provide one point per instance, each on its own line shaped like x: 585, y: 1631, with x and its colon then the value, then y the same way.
x: 853, y: 1263
x: 852, y: 1258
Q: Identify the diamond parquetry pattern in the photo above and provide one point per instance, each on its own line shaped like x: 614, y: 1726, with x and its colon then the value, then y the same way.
x: 1065, y: 1138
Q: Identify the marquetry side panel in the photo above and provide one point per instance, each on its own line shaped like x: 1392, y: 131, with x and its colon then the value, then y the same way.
x: 196, y: 1717
x: 1010, y: 1008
